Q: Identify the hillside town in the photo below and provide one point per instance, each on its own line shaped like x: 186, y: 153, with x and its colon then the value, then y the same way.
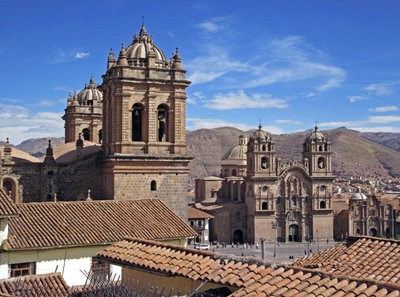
x: 109, y: 212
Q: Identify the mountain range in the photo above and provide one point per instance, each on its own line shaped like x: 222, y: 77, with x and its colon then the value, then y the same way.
x: 355, y: 153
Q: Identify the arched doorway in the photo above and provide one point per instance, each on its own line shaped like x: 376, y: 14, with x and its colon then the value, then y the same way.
x: 294, y: 233
x: 238, y: 236
x: 373, y: 232
x: 86, y: 134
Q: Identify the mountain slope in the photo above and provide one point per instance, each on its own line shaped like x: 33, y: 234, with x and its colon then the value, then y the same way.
x: 354, y: 153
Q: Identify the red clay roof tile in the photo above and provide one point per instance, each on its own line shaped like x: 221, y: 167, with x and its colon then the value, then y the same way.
x: 261, y: 280
x: 96, y: 222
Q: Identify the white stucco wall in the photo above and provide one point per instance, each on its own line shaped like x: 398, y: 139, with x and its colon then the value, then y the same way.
x: 77, y: 262
x: 3, y: 229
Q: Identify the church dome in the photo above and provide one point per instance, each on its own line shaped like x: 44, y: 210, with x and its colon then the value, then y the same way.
x: 239, y: 151
x: 261, y: 135
x: 358, y: 195
x: 142, y: 46
x: 316, y: 135
x: 90, y: 94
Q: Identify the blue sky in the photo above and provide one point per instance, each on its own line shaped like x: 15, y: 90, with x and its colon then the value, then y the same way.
x: 286, y: 63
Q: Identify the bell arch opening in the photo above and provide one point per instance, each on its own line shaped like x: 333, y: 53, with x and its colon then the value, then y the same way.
x: 137, y: 122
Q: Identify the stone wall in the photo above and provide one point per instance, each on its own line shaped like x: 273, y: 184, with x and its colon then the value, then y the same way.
x: 169, y: 188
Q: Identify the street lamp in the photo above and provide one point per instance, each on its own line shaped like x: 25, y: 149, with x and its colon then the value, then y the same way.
x: 275, y: 227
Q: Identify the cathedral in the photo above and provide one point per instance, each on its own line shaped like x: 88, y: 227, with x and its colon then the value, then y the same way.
x: 258, y: 197
x: 125, y: 138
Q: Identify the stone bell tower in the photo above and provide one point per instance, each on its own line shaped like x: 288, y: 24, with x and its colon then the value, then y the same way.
x: 260, y: 181
x: 83, y: 114
x: 317, y: 160
x: 144, y: 125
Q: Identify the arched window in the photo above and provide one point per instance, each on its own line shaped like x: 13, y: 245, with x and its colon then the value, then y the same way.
x: 264, y: 148
x: 137, y: 120
x: 162, y: 115
x: 322, y: 205
x: 264, y: 163
x: 321, y: 148
x: 321, y: 163
x: 358, y: 232
x: 9, y: 188
x: 86, y: 134
x: 153, y: 185
x: 234, y: 172
x: 293, y: 201
x: 264, y: 206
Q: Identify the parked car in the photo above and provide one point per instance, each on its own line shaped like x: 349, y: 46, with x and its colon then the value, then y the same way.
x: 202, y: 246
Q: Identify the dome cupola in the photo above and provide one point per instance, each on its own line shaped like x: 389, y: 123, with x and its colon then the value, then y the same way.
x: 260, y: 135
x: 141, y: 48
x: 90, y: 95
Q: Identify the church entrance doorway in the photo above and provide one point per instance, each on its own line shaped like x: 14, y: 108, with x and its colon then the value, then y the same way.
x: 373, y: 232
x: 294, y: 233
x: 238, y: 236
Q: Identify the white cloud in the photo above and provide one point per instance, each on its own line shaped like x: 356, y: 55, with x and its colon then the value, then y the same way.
x: 384, y: 119
x: 384, y: 109
x: 193, y: 98
x: 208, y: 68
x: 284, y: 60
x: 209, y: 26
x: 45, y: 103
x: 81, y: 55
x: 240, y: 100
x: 292, y: 59
x: 198, y: 123
x: 380, y: 89
x: 347, y: 124
x: 386, y: 129
x: 311, y: 94
x: 214, y: 25
x: 17, y: 124
x: 357, y: 98
x: 291, y: 122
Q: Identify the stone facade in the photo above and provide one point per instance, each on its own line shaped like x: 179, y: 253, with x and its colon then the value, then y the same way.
x: 273, y: 201
x: 138, y: 115
x: 374, y: 215
x: 366, y: 213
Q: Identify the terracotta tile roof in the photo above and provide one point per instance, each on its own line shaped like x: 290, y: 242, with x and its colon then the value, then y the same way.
x: 50, y: 285
x: 362, y: 257
x: 194, y: 213
x: 51, y: 224
x: 7, y: 207
x: 251, y: 276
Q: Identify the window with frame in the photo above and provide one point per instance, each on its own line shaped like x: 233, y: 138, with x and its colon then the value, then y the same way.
x: 22, y: 269
x: 100, y: 268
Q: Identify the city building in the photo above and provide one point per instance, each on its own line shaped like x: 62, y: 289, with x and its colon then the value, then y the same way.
x: 125, y: 139
x: 370, y: 214
x: 260, y: 197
